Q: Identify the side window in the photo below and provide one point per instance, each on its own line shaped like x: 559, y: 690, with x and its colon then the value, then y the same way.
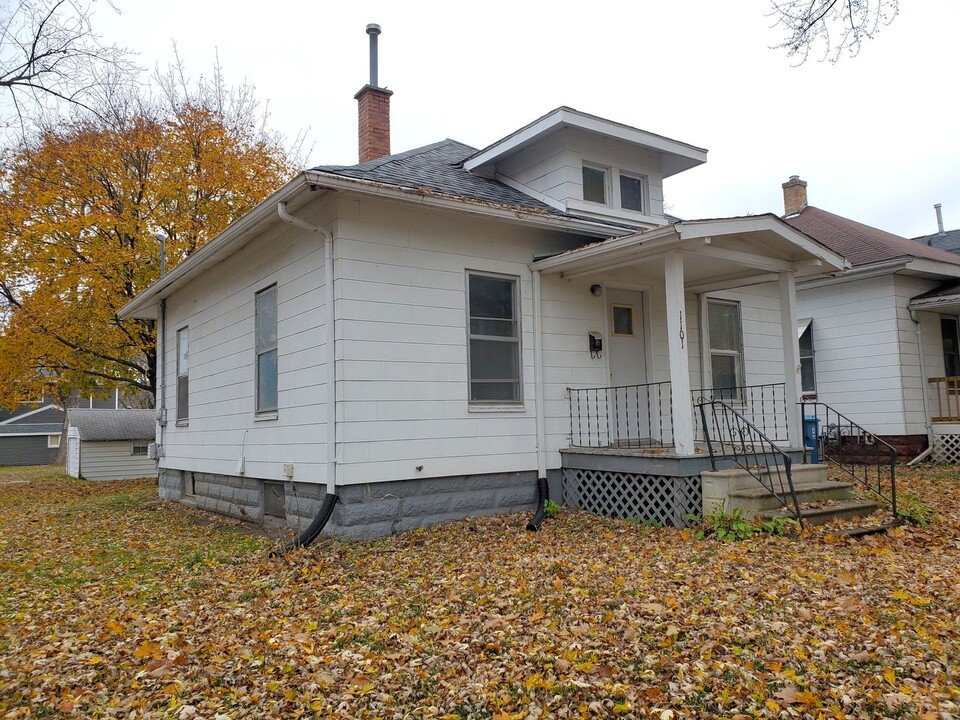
x: 631, y: 192
x: 183, y: 373
x: 951, y: 346
x: 726, y: 348
x: 493, y: 332
x: 808, y: 375
x: 140, y: 448
x: 595, y: 184
x: 266, y: 340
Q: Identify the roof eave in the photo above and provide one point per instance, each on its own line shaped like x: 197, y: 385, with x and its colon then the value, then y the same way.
x: 687, y: 155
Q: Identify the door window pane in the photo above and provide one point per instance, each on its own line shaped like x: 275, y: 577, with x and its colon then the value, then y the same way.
x: 622, y: 319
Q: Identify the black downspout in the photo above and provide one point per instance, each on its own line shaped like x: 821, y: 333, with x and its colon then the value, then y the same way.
x: 307, y: 537
x: 543, y: 494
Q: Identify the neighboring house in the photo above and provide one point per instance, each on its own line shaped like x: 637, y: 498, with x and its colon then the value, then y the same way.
x: 110, y: 444
x: 948, y: 240
x: 425, y: 335
x: 878, y: 341
x: 30, y: 434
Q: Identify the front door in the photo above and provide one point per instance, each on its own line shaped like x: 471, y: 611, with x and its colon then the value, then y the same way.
x: 629, y: 409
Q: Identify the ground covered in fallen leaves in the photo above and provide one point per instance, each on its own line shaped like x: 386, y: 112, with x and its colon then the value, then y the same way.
x: 116, y: 605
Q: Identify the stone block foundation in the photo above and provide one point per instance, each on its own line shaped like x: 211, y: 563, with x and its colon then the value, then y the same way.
x: 362, y: 511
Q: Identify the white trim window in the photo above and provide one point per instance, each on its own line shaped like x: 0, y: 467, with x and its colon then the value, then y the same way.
x: 140, y: 448
x: 493, y: 339
x: 266, y: 342
x: 595, y: 181
x: 632, y: 195
x: 808, y: 368
x: 726, y: 348
x: 183, y: 373
x: 53, y: 441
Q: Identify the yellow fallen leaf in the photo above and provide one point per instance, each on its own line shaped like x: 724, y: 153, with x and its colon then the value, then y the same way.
x: 889, y: 675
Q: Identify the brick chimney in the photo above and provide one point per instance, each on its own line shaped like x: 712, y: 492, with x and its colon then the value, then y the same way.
x: 794, y: 195
x: 374, y: 109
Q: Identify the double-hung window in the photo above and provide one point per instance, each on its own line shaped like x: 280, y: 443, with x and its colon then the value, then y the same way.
x: 493, y: 331
x: 726, y: 348
x: 266, y: 341
x: 183, y: 373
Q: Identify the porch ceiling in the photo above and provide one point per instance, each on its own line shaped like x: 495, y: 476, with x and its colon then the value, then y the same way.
x: 728, y: 252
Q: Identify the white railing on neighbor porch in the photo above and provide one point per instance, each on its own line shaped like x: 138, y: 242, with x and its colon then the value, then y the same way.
x: 640, y: 417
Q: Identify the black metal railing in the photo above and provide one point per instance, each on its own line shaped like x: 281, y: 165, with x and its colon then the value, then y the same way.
x: 869, y: 460
x: 626, y: 416
x: 641, y: 417
x: 730, y: 435
x: 763, y: 406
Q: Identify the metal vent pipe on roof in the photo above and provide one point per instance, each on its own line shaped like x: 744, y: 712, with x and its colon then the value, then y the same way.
x: 373, y: 30
x: 939, y: 219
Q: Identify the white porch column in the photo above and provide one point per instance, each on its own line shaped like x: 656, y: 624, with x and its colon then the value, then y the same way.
x: 791, y: 356
x: 677, y: 344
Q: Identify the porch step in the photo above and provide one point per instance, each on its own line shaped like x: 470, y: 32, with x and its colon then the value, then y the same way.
x: 845, y: 510
x: 808, y: 491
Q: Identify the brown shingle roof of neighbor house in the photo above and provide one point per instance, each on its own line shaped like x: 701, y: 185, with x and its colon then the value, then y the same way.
x: 113, y: 424
x: 859, y: 243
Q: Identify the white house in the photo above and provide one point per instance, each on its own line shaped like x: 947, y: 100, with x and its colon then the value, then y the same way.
x: 881, y: 342
x: 109, y: 444
x: 425, y: 335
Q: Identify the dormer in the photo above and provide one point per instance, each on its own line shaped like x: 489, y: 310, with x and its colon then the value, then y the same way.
x: 586, y: 165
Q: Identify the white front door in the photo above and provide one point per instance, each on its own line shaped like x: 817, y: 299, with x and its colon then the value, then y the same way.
x: 629, y: 402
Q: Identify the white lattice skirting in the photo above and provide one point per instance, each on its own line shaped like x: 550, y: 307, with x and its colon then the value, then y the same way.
x: 648, y: 498
x: 946, y: 448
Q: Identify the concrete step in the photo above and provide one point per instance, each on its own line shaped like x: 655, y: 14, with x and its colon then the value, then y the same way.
x: 845, y: 510
x: 808, y: 491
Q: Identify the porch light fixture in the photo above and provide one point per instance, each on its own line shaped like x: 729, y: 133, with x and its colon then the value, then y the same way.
x: 596, y: 290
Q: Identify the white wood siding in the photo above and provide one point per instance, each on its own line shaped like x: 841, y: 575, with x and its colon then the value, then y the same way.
x: 114, y: 461
x: 553, y: 167
x: 218, y: 308
x: 859, y: 343
x: 402, y: 351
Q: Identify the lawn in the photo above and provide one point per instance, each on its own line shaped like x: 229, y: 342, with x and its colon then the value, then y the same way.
x: 117, y: 605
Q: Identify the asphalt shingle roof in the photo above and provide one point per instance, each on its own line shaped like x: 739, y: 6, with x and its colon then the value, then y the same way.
x: 113, y: 424
x: 31, y: 429
x: 438, y: 168
x: 949, y: 241
x: 859, y: 243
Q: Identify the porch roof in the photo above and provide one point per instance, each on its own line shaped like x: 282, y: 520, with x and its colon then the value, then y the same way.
x: 719, y: 253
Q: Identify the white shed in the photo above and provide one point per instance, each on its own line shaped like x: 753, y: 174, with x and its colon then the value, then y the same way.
x: 110, y: 444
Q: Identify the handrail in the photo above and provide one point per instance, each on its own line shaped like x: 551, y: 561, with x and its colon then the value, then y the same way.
x: 744, y: 443
x: 837, y: 437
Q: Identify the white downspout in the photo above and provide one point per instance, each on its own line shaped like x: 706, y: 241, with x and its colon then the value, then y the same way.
x: 538, y: 377
x: 161, y: 370
x: 923, y: 389
x: 330, y: 355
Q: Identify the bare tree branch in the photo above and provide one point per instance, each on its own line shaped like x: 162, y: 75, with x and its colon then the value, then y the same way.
x: 830, y: 28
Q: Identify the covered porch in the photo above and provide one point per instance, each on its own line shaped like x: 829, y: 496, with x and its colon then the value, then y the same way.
x: 697, y: 310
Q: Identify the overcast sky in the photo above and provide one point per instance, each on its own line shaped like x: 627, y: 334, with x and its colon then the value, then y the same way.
x: 876, y: 136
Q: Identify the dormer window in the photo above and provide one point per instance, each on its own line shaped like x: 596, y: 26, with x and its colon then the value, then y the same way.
x: 631, y: 192
x: 595, y: 184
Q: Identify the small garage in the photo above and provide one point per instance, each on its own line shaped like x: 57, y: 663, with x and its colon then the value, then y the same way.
x: 110, y: 444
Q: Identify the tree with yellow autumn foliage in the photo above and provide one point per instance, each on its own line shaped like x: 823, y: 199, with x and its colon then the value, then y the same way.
x: 83, y: 207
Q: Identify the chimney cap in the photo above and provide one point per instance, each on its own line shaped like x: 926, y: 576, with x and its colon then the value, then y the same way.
x: 373, y: 29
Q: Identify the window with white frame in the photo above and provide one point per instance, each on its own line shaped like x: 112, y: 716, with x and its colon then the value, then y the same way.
x: 631, y: 192
x: 808, y: 375
x: 595, y: 184
x: 951, y: 346
x: 726, y: 348
x: 183, y: 373
x: 493, y: 332
x: 266, y: 341
x: 53, y: 441
x: 140, y: 448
